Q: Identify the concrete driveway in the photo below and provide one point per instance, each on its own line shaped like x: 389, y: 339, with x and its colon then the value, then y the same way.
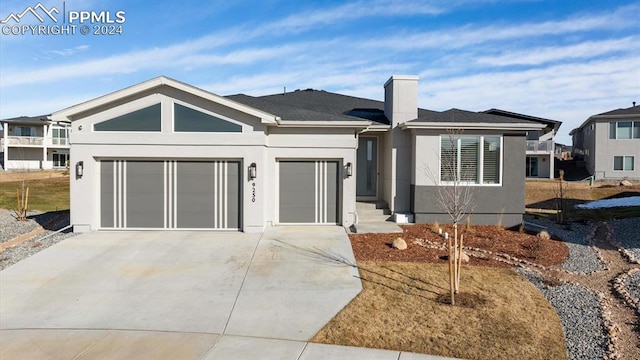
x: 282, y: 284
x: 180, y: 295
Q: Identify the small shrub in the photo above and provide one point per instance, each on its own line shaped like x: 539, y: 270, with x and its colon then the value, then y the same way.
x: 435, y: 227
x: 521, y: 229
x: 544, y: 235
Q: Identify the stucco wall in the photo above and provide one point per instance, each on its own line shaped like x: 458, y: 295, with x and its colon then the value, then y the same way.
x: 493, y: 203
x: 256, y: 144
x: 608, y: 148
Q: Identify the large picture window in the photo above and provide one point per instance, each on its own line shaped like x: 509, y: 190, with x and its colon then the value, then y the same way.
x: 624, y: 130
x: 147, y: 119
x: 470, y: 159
x: 623, y: 163
x: 186, y: 119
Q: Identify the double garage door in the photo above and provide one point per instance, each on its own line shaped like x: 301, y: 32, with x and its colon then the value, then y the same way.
x: 170, y: 194
x: 178, y: 194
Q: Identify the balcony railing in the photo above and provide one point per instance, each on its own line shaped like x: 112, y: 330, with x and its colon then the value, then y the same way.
x: 540, y: 146
x: 34, y: 141
x: 25, y: 140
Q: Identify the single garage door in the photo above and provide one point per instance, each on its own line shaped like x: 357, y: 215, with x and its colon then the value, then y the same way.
x: 309, y: 192
x: 138, y: 194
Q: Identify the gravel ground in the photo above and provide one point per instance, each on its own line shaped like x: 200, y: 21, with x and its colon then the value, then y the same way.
x: 12, y: 228
x: 626, y: 233
x: 580, y: 314
x: 582, y: 257
x: 632, y: 284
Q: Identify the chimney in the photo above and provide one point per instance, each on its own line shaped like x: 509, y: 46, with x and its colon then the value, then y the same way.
x: 401, y: 99
x: 634, y: 104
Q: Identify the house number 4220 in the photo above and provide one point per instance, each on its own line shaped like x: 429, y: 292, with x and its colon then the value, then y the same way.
x: 253, y: 192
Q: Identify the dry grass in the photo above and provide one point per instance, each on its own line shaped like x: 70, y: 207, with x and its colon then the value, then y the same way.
x: 541, y: 195
x: 48, y: 194
x: 398, y: 309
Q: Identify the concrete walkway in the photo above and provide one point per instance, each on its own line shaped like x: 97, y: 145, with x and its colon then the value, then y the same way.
x: 182, y: 295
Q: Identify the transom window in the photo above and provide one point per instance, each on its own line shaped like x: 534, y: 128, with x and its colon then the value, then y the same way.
x: 147, y: 119
x: 623, y: 163
x: 624, y: 130
x: 186, y: 119
x: 471, y: 159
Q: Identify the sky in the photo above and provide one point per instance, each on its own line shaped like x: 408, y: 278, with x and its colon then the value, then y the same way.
x: 562, y: 60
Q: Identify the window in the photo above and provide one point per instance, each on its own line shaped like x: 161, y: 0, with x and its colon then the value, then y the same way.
x: 25, y: 131
x: 186, y: 119
x: 147, y: 119
x: 624, y: 130
x: 623, y: 163
x: 59, y: 136
x: 471, y: 159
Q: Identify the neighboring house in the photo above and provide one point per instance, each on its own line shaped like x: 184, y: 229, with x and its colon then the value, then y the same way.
x: 609, y: 144
x: 540, y: 144
x: 31, y: 143
x: 166, y: 155
x: 563, y: 152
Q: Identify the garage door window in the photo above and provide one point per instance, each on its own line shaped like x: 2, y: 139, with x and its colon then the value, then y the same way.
x: 147, y: 119
x: 190, y: 120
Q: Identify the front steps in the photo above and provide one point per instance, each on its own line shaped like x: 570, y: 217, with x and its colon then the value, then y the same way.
x: 374, y: 217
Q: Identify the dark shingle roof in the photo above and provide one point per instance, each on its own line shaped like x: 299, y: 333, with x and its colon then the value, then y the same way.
x: 551, y: 123
x: 634, y: 110
x: 464, y: 116
x: 316, y: 105
x: 28, y: 120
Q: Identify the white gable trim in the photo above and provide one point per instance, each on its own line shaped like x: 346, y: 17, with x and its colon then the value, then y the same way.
x: 68, y: 113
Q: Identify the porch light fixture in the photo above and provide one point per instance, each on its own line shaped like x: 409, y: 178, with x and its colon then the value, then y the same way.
x: 349, y: 169
x: 79, y: 169
x: 253, y: 171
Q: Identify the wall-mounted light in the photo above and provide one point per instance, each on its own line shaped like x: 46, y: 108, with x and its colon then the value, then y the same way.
x: 253, y: 171
x: 79, y: 169
x: 348, y: 169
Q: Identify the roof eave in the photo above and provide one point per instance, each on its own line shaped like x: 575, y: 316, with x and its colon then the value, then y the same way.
x: 323, y: 124
x: 69, y: 112
x: 471, y: 126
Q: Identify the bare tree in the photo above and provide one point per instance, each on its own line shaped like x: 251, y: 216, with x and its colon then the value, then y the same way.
x: 455, y: 196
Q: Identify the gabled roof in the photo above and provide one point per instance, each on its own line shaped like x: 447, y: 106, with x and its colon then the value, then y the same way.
x: 633, y: 111
x: 68, y: 113
x: 28, y: 120
x: 469, y: 120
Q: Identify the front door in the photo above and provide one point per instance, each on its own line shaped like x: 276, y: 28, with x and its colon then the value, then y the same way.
x: 532, y: 166
x: 367, y: 167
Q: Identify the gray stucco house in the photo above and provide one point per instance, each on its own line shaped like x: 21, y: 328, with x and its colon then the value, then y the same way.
x: 609, y: 144
x: 166, y: 155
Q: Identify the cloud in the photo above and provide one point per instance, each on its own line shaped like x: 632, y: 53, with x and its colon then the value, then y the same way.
x: 69, y: 51
x: 542, y: 55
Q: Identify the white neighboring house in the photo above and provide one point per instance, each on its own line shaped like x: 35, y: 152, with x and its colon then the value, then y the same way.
x: 541, y: 151
x: 34, y: 143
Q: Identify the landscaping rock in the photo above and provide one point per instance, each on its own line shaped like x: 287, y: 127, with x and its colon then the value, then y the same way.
x: 544, y: 234
x: 464, y: 257
x: 399, y: 244
x: 625, y: 183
